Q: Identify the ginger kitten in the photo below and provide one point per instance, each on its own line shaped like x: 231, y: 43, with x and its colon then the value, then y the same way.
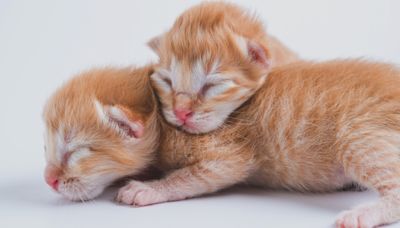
x: 312, y: 127
x: 215, y: 56
x: 100, y: 126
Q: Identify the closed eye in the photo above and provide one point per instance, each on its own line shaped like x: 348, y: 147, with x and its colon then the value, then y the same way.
x: 168, y: 81
x: 70, y: 158
x: 211, y: 89
x: 66, y: 157
x: 206, y: 88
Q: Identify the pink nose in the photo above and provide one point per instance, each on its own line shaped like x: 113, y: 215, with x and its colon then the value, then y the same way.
x: 51, y: 177
x: 52, y: 183
x: 183, y: 114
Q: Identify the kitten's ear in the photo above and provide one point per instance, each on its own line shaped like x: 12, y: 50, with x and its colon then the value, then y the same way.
x: 120, y: 118
x: 155, y: 43
x: 255, y: 51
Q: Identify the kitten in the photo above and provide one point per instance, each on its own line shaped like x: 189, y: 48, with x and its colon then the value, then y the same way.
x: 312, y: 127
x: 100, y: 126
x: 212, y: 60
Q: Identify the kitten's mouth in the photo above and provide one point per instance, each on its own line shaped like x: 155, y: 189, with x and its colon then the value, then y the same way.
x: 189, y: 127
x: 184, y: 124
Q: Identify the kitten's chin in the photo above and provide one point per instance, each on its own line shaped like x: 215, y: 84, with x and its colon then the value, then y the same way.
x: 83, y: 195
x: 202, y: 127
x: 191, y: 129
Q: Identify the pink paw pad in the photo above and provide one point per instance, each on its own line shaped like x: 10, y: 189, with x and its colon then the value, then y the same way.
x: 139, y: 194
x: 362, y: 217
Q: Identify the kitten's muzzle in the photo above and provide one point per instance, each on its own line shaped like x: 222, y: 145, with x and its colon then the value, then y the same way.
x: 183, y: 114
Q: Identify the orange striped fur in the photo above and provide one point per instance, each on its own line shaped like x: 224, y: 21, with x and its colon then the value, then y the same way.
x: 311, y: 127
x: 215, y: 56
x: 85, y: 150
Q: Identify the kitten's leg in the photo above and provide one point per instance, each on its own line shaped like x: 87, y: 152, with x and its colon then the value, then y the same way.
x: 201, y: 178
x: 374, y: 163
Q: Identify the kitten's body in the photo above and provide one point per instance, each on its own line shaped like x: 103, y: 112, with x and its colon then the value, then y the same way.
x: 312, y: 127
x: 305, y: 115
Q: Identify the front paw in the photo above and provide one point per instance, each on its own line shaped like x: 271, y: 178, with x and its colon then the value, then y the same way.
x: 139, y: 194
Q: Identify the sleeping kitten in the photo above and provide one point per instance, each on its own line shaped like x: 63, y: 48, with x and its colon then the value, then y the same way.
x: 212, y: 60
x: 100, y: 126
x: 311, y: 127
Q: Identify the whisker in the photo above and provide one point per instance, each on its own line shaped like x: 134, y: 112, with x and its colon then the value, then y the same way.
x: 76, y: 192
x: 86, y: 194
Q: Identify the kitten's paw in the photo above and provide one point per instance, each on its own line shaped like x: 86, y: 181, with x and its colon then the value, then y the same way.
x: 139, y: 194
x: 361, y: 217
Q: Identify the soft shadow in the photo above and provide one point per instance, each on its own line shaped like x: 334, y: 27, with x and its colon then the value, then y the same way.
x: 27, y: 191
x: 31, y: 192
x: 332, y: 202
x: 37, y: 193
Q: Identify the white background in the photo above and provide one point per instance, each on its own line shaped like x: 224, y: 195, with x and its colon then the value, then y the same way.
x: 42, y: 43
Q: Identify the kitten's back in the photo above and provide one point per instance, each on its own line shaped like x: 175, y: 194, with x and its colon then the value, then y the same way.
x: 307, y: 110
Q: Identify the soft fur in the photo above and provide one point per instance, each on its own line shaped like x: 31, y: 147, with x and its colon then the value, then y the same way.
x: 311, y: 127
x: 215, y: 56
x: 86, y: 147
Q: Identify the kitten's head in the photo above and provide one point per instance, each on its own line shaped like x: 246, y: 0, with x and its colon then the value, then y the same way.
x: 100, y: 126
x: 211, y: 61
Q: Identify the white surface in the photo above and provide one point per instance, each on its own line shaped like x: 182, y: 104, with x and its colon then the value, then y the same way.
x: 43, y: 42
